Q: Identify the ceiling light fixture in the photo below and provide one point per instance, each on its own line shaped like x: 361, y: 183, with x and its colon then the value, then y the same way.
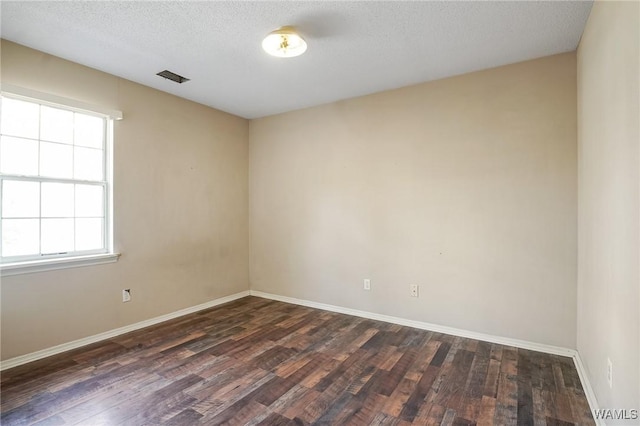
x: 284, y: 43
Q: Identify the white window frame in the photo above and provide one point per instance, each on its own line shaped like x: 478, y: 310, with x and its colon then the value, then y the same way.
x: 31, y: 264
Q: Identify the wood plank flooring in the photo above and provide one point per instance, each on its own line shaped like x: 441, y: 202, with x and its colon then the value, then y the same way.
x: 260, y: 362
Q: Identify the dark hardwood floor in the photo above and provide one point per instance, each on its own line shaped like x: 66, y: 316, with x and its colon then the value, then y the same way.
x: 260, y: 362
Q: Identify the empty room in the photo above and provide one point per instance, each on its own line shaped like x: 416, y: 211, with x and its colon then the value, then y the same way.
x: 320, y: 213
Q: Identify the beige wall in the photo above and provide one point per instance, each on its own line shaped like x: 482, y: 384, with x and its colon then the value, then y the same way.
x: 465, y: 186
x: 609, y: 206
x: 181, y: 214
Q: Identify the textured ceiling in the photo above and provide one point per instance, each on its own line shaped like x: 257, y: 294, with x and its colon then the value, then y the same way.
x: 355, y: 48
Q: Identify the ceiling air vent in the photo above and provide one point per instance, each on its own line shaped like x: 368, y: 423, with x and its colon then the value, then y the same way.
x: 172, y: 76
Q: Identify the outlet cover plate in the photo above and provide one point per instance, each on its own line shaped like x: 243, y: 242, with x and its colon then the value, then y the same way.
x: 414, y: 290
x: 367, y: 284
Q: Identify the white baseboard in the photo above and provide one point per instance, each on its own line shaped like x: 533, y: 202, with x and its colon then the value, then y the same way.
x: 23, y: 359
x: 523, y: 344
x: 555, y: 350
x: 586, y: 385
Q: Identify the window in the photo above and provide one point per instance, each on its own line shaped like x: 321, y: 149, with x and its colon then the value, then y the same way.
x: 54, y: 183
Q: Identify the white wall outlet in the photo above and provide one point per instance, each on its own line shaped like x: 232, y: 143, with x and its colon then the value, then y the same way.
x: 367, y: 284
x: 126, y: 295
x: 609, y: 373
x: 414, y: 290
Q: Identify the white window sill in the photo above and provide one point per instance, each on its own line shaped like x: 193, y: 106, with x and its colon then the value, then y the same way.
x: 33, y: 266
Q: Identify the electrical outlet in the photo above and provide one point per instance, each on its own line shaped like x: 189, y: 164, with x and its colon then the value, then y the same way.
x: 126, y: 295
x: 367, y: 284
x: 414, y: 290
x: 609, y: 373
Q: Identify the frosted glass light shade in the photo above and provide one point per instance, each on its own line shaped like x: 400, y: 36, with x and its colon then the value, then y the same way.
x: 284, y: 43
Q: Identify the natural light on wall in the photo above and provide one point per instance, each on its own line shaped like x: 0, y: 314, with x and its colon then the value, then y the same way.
x: 54, y: 181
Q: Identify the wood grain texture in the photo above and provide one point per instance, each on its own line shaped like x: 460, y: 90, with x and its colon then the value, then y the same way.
x: 260, y: 362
